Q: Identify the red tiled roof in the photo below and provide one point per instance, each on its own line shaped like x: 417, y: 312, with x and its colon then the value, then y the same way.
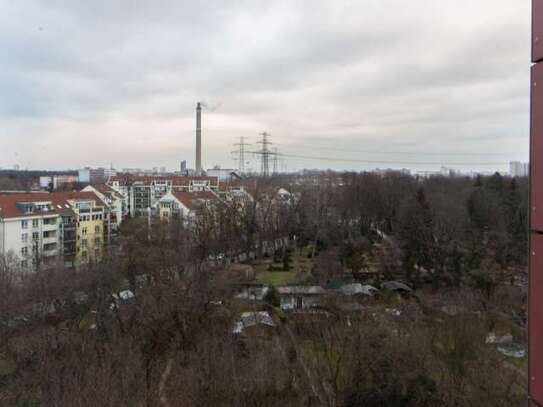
x: 9, y: 208
x: 247, y: 184
x: 188, y: 198
x: 174, y: 179
x: 106, y: 190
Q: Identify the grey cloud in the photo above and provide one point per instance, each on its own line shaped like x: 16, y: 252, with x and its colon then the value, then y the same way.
x: 363, y: 73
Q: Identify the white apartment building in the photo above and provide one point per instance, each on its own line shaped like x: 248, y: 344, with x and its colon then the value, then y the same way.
x: 519, y: 169
x: 95, y: 175
x: 182, y: 204
x: 29, y: 228
x: 143, y: 192
x: 39, y: 229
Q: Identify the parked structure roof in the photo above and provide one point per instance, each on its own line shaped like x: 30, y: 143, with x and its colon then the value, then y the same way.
x: 358, y: 289
x: 249, y: 319
x: 301, y: 289
x: 396, y: 286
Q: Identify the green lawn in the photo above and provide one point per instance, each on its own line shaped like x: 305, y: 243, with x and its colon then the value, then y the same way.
x: 521, y: 364
x: 274, y: 278
x: 7, y: 366
x: 300, y: 266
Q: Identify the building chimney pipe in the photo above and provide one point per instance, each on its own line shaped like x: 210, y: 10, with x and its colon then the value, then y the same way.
x: 198, y: 139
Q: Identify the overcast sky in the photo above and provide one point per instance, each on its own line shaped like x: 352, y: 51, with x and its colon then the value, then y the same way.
x: 390, y: 82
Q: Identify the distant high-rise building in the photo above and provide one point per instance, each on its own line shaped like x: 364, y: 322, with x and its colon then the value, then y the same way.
x: 183, y: 166
x: 95, y: 175
x: 519, y: 169
x: 448, y: 172
x: 132, y: 170
x: 56, y: 181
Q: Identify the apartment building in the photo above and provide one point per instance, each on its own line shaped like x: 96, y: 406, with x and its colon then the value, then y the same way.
x: 57, y: 181
x: 519, y: 169
x: 117, y: 207
x: 183, y: 205
x: 224, y: 174
x: 143, y: 192
x: 43, y: 229
x: 90, y: 213
x: 235, y: 193
x: 95, y: 175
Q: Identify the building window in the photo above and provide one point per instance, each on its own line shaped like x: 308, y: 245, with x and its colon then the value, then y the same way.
x: 24, y: 237
x: 35, y: 223
x: 24, y: 263
x: 24, y: 251
x: 84, y: 243
x: 97, y: 229
x: 84, y: 231
x: 24, y: 224
x: 35, y: 235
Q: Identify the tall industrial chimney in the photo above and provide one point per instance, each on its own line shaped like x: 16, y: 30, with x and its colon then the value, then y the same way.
x: 198, y: 139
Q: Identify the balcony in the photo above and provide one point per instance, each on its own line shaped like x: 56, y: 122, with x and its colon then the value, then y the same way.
x: 48, y: 227
x: 50, y: 253
x: 49, y: 239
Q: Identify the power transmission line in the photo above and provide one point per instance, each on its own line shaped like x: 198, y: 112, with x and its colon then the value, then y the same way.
x: 433, y: 153
x: 239, y: 154
x: 265, y: 154
x: 275, y: 154
x: 336, y: 159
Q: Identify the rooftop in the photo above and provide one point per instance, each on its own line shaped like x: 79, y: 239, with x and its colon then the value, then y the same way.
x: 188, y: 199
x: 107, y: 190
x: 151, y: 179
x: 249, y: 319
x: 301, y: 289
x: 25, y: 205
